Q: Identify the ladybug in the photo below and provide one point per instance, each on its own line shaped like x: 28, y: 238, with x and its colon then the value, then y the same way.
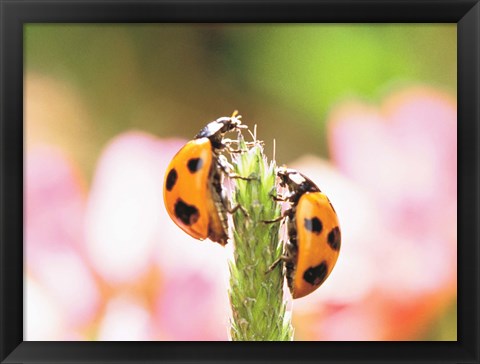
x: 314, y: 237
x: 193, y: 193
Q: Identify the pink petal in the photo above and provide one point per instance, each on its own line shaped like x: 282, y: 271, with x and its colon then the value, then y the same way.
x: 64, y: 275
x: 404, y: 154
x: 193, y: 307
x: 125, y: 205
x: 41, y: 314
x: 54, y: 248
x: 125, y: 319
x: 54, y: 208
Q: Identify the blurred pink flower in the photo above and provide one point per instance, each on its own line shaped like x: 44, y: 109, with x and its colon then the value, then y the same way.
x: 395, y: 194
x: 54, y: 215
x: 55, y: 200
x: 124, y: 204
x: 405, y: 153
x: 112, y: 265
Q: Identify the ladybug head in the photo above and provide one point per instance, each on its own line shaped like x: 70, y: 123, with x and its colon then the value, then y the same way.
x: 227, y: 124
x: 295, y: 181
x: 284, y: 174
x: 217, y: 128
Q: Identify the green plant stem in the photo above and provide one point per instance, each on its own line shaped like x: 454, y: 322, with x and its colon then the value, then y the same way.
x: 256, y: 296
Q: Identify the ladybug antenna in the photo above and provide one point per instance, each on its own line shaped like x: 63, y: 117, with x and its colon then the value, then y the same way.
x: 235, y: 118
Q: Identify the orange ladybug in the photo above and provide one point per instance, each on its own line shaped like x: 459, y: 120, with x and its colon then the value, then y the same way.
x: 193, y: 193
x: 313, y: 231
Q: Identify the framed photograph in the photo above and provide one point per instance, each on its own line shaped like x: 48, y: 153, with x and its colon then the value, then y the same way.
x: 180, y: 179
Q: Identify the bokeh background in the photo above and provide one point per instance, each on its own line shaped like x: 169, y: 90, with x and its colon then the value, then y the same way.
x: 367, y: 111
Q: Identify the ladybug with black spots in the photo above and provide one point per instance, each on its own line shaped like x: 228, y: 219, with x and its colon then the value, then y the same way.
x: 314, y: 237
x: 193, y: 193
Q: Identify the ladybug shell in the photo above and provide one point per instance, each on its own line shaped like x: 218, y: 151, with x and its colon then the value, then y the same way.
x: 188, y: 192
x: 318, y: 242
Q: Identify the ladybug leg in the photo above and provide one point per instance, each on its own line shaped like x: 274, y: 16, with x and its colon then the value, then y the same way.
x: 277, y: 219
x: 280, y: 198
x: 227, y: 142
x: 289, y: 256
x: 223, y: 164
x: 237, y: 207
x: 236, y: 151
x: 232, y: 210
x: 276, y: 262
x: 286, y: 213
x: 237, y: 176
x: 226, y: 167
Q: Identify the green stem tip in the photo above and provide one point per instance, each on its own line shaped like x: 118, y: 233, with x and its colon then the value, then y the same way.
x: 256, y: 296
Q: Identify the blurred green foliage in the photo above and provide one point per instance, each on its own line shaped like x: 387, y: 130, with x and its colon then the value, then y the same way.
x: 170, y: 79
x: 313, y: 67
x: 444, y: 329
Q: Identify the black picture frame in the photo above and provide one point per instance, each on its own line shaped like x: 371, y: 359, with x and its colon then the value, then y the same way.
x: 16, y: 13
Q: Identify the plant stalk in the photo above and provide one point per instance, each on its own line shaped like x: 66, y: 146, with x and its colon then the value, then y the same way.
x: 256, y: 296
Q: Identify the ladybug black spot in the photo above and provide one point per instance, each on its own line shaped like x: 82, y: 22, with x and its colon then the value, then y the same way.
x: 316, y: 275
x: 194, y: 164
x: 171, y: 179
x: 314, y: 225
x: 188, y: 214
x: 334, y: 238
